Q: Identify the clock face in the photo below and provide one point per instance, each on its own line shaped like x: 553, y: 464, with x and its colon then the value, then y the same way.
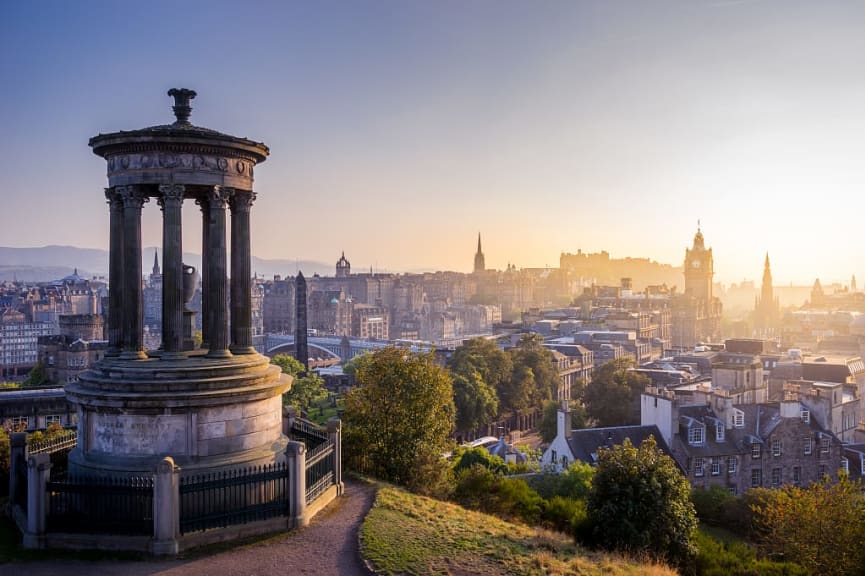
x: 695, y: 264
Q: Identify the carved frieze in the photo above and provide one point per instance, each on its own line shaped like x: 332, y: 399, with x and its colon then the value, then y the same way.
x: 194, y: 162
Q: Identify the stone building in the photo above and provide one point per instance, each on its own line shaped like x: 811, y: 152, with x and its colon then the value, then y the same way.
x: 370, y: 322
x: 696, y: 314
x: 80, y: 344
x: 19, y: 341
x: 738, y: 447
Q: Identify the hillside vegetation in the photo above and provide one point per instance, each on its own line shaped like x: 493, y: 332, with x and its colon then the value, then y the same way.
x: 409, y: 534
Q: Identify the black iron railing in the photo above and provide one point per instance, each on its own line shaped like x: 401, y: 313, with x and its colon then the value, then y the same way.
x: 320, y: 463
x: 233, y: 497
x: 101, y: 506
x: 308, y: 433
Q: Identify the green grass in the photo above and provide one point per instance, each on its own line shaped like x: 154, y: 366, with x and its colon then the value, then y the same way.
x: 409, y: 534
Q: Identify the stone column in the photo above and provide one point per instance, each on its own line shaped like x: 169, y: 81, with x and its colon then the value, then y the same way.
x: 171, y: 202
x: 241, y: 273
x: 334, y: 433
x: 115, y: 273
x: 295, y: 461
x: 217, y: 277
x: 38, y: 473
x: 204, y: 203
x: 17, y: 460
x: 133, y: 304
x: 166, y: 507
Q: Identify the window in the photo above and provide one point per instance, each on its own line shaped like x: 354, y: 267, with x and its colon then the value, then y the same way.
x: 756, y: 477
x: 716, y: 466
x: 806, y: 446
x: 733, y: 491
x: 755, y: 449
x: 776, y: 447
x: 797, y: 475
x: 695, y: 435
x: 862, y: 464
x: 821, y: 471
x: 52, y: 419
x: 806, y: 416
x: 719, y: 432
x: 553, y: 456
x: 698, y: 466
x: 19, y: 422
x: 776, y: 477
x: 824, y: 445
x: 738, y: 418
x: 731, y: 464
x: 845, y: 465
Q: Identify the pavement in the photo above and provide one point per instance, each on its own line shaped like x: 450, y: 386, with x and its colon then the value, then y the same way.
x: 328, y: 546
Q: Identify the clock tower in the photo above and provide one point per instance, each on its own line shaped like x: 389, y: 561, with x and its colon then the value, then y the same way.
x: 699, y: 269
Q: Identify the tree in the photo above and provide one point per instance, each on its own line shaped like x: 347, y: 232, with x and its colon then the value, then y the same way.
x: 306, y: 392
x: 530, y: 353
x: 38, y: 376
x: 289, y: 364
x: 476, y: 402
x: 399, y: 417
x: 640, y: 503
x: 484, y: 357
x: 548, y: 425
x: 612, y: 398
x: 821, y: 527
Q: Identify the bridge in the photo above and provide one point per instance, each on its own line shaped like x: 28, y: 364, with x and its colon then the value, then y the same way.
x: 338, y: 347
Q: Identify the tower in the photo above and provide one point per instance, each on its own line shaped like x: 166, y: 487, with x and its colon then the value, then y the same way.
x: 480, y: 264
x: 301, y: 346
x: 699, y: 269
x: 155, y: 271
x: 766, y: 306
x: 343, y: 267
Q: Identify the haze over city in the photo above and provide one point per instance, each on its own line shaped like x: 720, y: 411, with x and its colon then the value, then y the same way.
x: 399, y: 130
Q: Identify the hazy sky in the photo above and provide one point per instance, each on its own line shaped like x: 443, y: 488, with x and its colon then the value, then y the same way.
x: 400, y: 129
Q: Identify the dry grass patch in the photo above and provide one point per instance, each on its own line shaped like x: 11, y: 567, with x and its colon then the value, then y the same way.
x: 409, y: 534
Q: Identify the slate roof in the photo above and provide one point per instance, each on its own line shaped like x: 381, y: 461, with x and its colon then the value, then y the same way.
x: 584, y: 444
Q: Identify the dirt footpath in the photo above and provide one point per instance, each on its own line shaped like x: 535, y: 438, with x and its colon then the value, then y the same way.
x: 328, y: 546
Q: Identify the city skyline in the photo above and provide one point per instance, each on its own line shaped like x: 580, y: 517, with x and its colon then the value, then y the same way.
x: 399, y: 131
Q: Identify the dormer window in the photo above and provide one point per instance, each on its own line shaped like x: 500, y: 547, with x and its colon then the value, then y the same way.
x: 738, y: 418
x: 695, y: 435
x: 719, y: 432
x: 806, y: 416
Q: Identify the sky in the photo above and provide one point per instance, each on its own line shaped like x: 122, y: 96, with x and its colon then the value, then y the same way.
x: 401, y: 129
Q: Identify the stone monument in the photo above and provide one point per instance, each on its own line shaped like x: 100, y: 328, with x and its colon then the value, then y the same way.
x: 213, y: 408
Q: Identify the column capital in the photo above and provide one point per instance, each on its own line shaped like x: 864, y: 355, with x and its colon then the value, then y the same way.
x: 132, y: 196
x: 218, y: 196
x: 171, y: 194
x: 113, y: 198
x: 241, y: 200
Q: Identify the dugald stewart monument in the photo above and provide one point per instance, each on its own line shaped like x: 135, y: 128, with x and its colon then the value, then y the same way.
x: 211, y: 408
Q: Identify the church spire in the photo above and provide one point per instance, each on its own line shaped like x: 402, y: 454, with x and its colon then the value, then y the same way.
x: 480, y: 264
x: 156, y: 263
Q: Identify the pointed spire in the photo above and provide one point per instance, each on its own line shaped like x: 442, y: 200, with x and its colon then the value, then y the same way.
x: 479, y: 242
x: 766, y: 265
x: 155, y: 262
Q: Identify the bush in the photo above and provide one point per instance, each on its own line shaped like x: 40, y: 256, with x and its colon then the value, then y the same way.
x: 564, y: 514
x: 574, y: 483
x: 479, y: 488
x: 736, y: 559
x: 717, y: 507
x: 465, y: 458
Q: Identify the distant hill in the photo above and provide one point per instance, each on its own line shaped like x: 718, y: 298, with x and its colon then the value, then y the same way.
x: 48, y: 263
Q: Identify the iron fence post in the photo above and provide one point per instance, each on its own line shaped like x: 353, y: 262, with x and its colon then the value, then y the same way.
x: 334, y: 431
x: 18, y: 460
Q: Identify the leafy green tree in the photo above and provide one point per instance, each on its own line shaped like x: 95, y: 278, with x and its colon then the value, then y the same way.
x: 476, y: 402
x: 484, y: 357
x: 530, y: 353
x: 289, y: 364
x: 38, y: 376
x: 516, y: 394
x: 548, y: 425
x: 306, y: 391
x: 612, y: 398
x: 821, y: 527
x: 468, y: 457
x: 398, y: 419
x: 641, y: 504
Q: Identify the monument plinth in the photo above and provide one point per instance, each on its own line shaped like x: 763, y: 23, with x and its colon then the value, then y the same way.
x: 211, y: 409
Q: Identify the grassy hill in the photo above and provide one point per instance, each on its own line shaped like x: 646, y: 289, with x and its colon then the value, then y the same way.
x: 409, y: 534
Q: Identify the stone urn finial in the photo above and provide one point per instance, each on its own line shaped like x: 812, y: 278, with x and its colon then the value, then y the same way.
x: 181, y: 107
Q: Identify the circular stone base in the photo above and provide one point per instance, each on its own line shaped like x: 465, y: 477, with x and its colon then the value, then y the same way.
x: 208, y: 414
